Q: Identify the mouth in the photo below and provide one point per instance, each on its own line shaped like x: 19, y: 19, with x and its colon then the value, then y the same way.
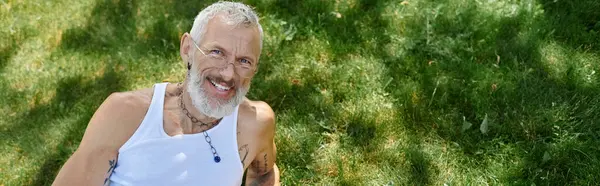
x: 222, y: 89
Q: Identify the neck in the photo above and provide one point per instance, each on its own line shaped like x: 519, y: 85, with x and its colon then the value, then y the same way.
x: 186, y: 104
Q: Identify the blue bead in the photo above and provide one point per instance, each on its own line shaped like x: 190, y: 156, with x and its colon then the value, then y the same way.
x: 217, y: 159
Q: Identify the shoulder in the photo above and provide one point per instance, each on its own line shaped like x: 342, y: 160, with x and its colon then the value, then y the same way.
x: 124, y: 101
x: 258, y: 116
x: 117, y: 118
x: 124, y: 106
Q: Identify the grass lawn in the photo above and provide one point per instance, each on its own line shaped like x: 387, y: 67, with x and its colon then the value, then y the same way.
x: 415, y: 92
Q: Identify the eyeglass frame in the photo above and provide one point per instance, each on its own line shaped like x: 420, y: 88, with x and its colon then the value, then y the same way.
x: 254, y: 70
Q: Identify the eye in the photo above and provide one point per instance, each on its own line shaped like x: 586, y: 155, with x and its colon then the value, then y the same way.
x: 216, y: 52
x: 245, y: 62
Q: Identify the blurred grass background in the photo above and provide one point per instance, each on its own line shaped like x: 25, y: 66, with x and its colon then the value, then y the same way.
x: 414, y: 92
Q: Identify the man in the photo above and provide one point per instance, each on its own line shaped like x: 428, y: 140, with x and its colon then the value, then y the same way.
x: 199, y: 132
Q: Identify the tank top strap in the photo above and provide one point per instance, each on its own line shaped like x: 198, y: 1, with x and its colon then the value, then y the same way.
x: 158, y: 97
x: 154, y: 117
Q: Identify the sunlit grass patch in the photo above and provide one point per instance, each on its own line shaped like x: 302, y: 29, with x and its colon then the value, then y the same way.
x: 555, y: 59
x: 586, y: 66
x: 298, y: 141
x: 578, y: 67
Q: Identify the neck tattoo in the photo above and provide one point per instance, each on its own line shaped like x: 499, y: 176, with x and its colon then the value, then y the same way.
x: 205, y: 126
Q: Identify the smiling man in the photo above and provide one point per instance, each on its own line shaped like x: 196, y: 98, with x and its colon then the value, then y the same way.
x: 199, y: 132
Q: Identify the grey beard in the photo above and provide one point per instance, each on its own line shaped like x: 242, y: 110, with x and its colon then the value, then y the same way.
x: 202, y: 102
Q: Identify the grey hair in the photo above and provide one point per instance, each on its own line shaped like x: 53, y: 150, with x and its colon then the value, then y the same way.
x: 236, y: 14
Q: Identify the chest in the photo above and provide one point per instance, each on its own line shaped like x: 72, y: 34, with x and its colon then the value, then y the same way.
x: 179, y: 160
x: 246, y: 140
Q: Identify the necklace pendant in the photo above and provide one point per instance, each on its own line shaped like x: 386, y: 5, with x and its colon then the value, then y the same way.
x: 217, y: 159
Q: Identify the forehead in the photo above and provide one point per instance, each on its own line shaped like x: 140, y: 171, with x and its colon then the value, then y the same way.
x: 234, y: 38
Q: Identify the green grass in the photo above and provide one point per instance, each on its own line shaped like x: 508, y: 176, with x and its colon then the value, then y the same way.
x: 365, y: 92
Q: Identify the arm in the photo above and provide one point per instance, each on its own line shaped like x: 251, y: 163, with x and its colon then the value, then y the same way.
x: 262, y: 170
x: 95, y: 158
x: 87, y: 167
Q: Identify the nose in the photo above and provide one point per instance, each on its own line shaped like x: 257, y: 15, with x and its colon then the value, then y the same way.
x: 227, y: 72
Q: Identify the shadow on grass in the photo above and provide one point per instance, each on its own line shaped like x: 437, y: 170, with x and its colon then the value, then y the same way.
x: 75, y: 97
x: 6, y: 54
x: 52, y: 162
x: 420, y: 166
x: 574, y: 23
x: 111, y: 25
x: 349, y: 33
x: 10, y: 46
x: 551, y: 141
x: 113, y: 28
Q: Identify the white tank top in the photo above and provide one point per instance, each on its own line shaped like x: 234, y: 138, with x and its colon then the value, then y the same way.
x: 151, y: 157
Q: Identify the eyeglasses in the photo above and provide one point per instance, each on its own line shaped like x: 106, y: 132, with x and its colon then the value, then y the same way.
x: 243, y: 67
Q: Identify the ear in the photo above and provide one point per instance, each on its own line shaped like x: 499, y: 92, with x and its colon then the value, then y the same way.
x: 184, y: 47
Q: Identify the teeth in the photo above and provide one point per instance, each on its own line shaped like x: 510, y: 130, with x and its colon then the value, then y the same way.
x: 220, y: 87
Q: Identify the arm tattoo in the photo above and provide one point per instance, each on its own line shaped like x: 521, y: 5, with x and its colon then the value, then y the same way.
x: 112, y: 164
x: 265, y: 176
x: 257, y: 167
x: 265, y: 170
x: 245, y: 150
